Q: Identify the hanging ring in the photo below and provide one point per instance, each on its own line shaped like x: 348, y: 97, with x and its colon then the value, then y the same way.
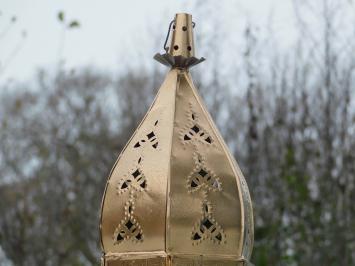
x: 167, y: 36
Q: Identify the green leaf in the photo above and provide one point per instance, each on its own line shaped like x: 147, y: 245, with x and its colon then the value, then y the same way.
x: 74, y: 24
x: 61, y: 16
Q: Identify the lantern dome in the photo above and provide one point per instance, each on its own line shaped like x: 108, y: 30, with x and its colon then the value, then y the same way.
x: 176, y: 196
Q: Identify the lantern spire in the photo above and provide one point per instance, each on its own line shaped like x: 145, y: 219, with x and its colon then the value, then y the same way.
x: 176, y: 196
x: 181, y: 52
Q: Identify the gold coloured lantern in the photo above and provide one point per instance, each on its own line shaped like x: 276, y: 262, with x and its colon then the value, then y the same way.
x: 176, y: 196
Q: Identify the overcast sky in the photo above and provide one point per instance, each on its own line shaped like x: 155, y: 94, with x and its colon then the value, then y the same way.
x: 111, y: 30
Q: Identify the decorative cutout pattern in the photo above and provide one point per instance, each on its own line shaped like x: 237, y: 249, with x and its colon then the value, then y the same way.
x: 129, y: 228
x: 202, y: 177
x: 134, y: 182
x: 207, y: 227
x: 135, y: 179
x: 194, y: 131
x: 150, y: 137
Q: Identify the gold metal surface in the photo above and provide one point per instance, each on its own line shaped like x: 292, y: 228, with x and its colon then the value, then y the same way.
x: 181, y: 52
x: 176, y: 196
x: 182, y: 41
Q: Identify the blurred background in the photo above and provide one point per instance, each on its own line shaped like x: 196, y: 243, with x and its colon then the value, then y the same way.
x: 76, y: 77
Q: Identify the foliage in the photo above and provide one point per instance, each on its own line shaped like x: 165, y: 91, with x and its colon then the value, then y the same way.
x: 71, y: 24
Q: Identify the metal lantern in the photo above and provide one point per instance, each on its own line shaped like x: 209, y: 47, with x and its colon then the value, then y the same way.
x: 176, y: 196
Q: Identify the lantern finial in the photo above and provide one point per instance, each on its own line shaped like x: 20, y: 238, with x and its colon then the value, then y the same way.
x: 181, y: 52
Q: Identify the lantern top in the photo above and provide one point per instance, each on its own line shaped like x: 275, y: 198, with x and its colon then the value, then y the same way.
x: 181, y: 52
x: 176, y: 196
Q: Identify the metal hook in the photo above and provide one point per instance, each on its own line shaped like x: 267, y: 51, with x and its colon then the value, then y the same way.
x: 167, y: 36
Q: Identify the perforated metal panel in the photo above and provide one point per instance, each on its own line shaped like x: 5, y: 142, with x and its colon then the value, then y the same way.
x: 176, y: 196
